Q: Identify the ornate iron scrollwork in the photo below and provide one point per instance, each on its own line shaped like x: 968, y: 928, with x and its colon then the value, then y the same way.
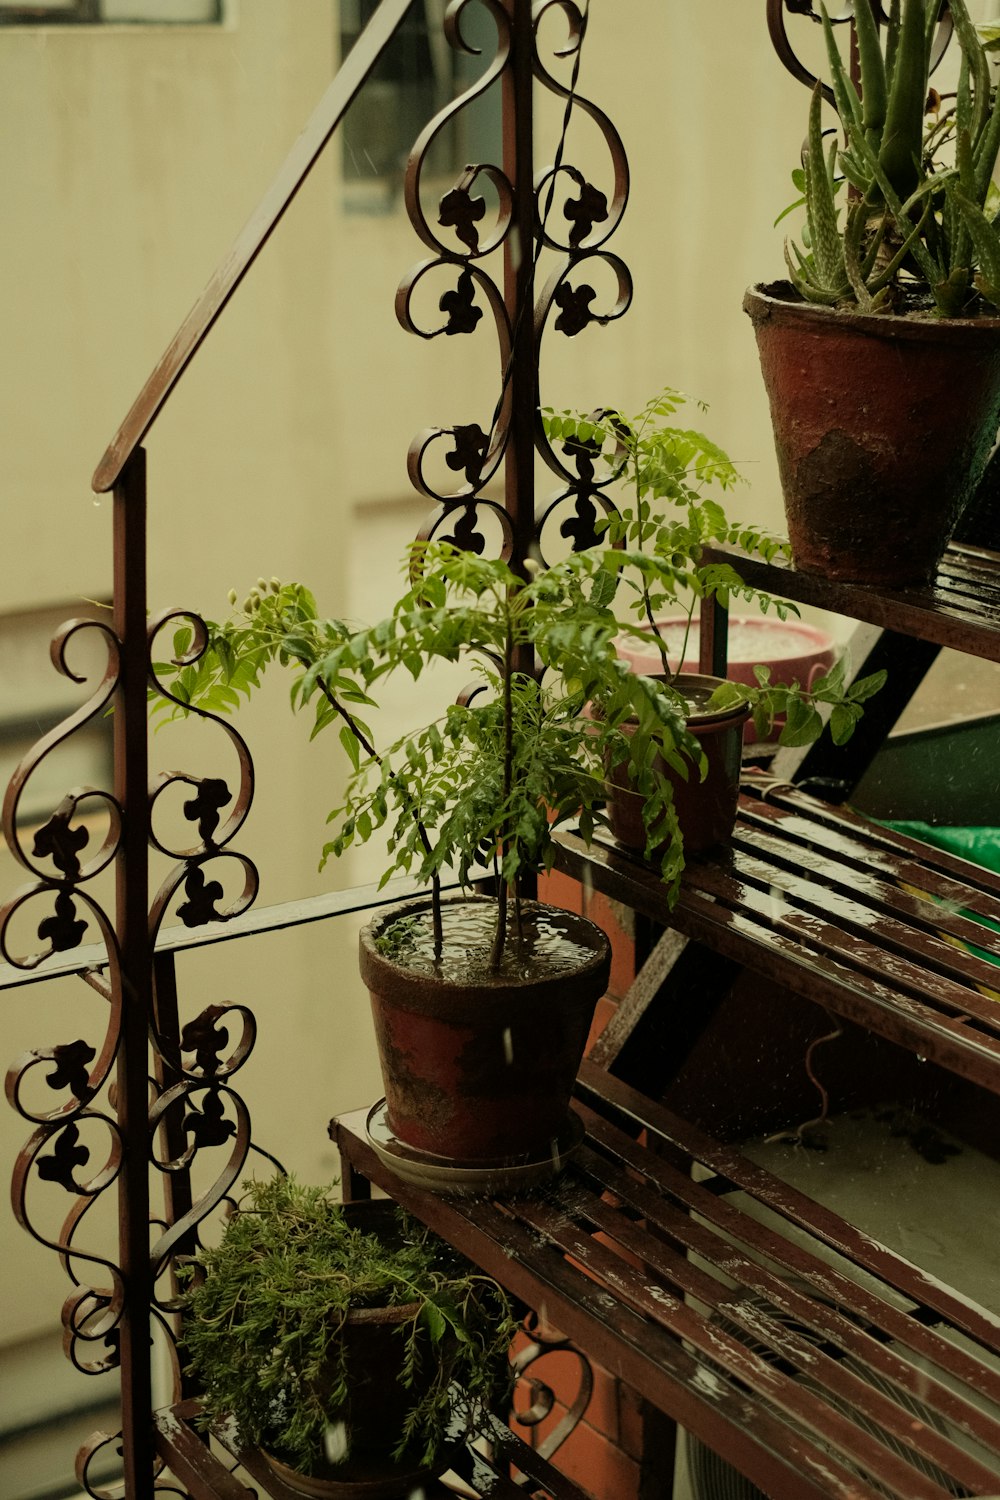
x: 462, y: 240
x: 78, y: 1146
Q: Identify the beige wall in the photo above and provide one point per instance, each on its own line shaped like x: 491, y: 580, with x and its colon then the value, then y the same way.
x: 128, y: 161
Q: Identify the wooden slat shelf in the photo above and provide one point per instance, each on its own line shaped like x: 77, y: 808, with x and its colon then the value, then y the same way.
x: 755, y: 1336
x: 212, y: 1472
x: 960, y: 609
x: 879, y: 928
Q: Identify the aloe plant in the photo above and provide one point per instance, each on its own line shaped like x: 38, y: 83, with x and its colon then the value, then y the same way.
x: 920, y: 222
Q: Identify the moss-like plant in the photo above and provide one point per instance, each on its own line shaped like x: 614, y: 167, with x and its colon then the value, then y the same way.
x: 265, y: 1310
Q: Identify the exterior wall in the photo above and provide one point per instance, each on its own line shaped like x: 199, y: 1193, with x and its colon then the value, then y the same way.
x: 128, y: 161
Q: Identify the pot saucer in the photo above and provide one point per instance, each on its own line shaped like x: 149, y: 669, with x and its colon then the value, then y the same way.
x: 441, y: 1174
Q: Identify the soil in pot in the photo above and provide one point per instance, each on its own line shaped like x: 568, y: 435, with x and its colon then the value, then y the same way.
x: 706, y: 809
x: 478, y: 1067
x: 882, y: 425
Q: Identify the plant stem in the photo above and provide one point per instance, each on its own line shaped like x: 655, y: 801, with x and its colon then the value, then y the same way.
x: 373, y: 754
x: 508, y: 771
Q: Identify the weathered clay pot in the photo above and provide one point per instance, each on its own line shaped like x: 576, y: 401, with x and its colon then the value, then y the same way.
x: 475, y: 1069
x: 882, y: 425
x: 706, y: 810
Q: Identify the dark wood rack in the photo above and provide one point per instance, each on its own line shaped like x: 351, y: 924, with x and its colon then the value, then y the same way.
x: 213, y: 1471
x: 879, y: 928
x: 960, y: 609
x: 731, y: 1300
x: 754, y: 1335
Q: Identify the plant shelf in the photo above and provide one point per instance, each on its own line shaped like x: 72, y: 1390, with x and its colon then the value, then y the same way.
x: 881, y: 929
x: 960, y: 609
x: 207, y: 1470
x: 733, y: 1302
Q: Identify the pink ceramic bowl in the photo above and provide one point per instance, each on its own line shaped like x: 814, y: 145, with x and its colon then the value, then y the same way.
x: 795, y: 652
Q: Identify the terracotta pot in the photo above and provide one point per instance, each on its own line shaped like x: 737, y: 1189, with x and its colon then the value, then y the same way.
x: 882, y: 425
x: 706, y: 810
x: 377, y: 1402
x: 795, y: 652
x: 477, y: 1069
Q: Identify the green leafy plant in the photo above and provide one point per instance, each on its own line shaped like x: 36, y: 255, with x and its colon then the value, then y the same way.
x: 265, y: 1310
x: 656, y: 541
x: 919, y: 227
x: 482, y: 788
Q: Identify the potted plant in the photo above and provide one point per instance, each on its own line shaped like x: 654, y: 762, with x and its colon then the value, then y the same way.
x: 881, y: 355
x: 345, y: 1341
x: 482, y: 1006
x: 656, y: 540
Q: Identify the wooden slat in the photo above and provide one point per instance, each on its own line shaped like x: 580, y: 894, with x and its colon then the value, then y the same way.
x: 606, y: 1252
x: 707, y: 1237
x: 206, y: 1477
x: 800, y: 1404
x: 804, y: 1213
x: 787, y: 959
x: 783, y: 1461
x: 877, y: 927
x: 959, y: 609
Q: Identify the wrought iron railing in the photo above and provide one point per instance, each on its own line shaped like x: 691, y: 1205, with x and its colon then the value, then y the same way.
x: 156, y: 1091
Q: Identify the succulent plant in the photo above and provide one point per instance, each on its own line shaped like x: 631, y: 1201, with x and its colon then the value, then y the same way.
x: 918, y: 229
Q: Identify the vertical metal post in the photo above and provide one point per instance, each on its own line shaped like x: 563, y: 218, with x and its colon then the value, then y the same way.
x: 132, y: 921
x: 519, y: 277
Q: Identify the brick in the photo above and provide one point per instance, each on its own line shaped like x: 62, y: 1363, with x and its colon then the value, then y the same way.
x: 598, y: 1466
x: 617, y: 922
x: 561, y: 890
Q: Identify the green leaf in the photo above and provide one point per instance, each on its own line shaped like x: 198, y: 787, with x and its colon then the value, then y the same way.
x: 351, y: 744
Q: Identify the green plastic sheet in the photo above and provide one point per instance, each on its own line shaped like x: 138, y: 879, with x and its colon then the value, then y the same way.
x: 980, y: 845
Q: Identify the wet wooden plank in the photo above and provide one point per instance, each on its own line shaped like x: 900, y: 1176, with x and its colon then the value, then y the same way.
x: 206, y: 1477
x: 192, y: 1462
x: 819, y: 1398
x: 894, y: 913
x: 804, y: 1213
x: 641, y: 993
x: 871, y: 942
x: 959, y: 609
x: 784, y: 1462
x: 782, y: 952
x: 853, y: 837
x: 625, y: 1299
x: 707, y: 1236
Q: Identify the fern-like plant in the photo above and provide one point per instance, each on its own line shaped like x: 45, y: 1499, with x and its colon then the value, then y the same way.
x: 483, y: 786
x: 656, y: 539
x: 264, y: 1318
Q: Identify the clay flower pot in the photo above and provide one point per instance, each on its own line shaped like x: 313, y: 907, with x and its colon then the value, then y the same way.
x: 706, y: 809
x: 479, y: 1068
x: 378, y: 1401
x: 882, y: 426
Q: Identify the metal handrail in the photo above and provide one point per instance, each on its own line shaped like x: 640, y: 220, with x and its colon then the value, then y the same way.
x: 252, y: 923
x: 251, y: 240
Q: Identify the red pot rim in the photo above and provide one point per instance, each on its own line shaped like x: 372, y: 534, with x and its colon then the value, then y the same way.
x: 779, y: 299
x: 427, y: 991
